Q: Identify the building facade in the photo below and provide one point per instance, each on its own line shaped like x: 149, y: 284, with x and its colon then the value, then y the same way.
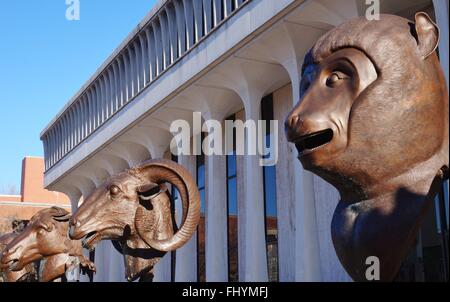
x: 228, y: 60
x: 33, y: 196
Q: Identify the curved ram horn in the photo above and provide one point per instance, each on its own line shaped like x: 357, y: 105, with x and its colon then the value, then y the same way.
x: 159, y: 172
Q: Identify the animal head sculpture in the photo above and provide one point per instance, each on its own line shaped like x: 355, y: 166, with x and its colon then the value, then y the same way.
x: 45, y: 238
x: 373, y: 122
x: 24, y: 275
x: 134, y: 208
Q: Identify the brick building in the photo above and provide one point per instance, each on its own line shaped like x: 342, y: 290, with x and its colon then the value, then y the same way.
x: 33, y: 197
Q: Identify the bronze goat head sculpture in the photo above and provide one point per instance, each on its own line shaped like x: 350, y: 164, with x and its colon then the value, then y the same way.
x: 45, y: 238
x: 28, y: 273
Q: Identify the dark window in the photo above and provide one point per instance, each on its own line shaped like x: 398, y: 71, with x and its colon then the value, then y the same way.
x: 201, y: 228
x: 270, y: 197
x: 428, y: 261
x: 173, y: 255
x: 232, y: 204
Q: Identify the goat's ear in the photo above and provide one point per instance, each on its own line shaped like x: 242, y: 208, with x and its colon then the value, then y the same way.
x: 427, y: 34
x: 64, y: 218
x: 60, y: 214
x: 150, y: 191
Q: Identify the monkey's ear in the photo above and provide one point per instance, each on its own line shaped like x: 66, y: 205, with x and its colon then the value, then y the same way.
x: 427, y: 34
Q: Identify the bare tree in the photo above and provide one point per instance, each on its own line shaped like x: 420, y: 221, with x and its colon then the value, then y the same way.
x: 10, y: 189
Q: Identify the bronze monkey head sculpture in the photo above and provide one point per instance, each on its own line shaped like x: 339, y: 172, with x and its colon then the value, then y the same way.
x: 133, y: 208
x: 373, y: 122
x: 45, y: 238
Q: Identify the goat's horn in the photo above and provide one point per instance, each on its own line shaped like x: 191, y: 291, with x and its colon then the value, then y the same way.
x: 160, y: 171
x: 60, y: 214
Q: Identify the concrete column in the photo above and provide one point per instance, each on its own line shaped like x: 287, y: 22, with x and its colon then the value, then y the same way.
x: 172, y: 23
x: 198, y: 20
x: 186, y: 257
x: 217, y: 11
x: 162, y: 271
x: 228, y: 8
x: 189, y: 19
x: 74, y: 199
x: 441, y: 11
x: 241, y: 207
x: 181, y: 27
x: 116, y: 86
x: 282, y: 103
x: 151, y: 54
x: 207, y: 11
x: 326, y: 199
x: 158, y: 47
x: 115, y: 262
x: 101, y: 262
x: 132, y: 69
x: 307, y: 252
x: 216, y: 239
x: 255, y: 242
x: 165, y: 35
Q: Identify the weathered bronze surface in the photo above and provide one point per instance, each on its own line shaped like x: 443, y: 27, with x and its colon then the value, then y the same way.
x: 134, y: 209
x: 27, y: 274
x: 373, y: 122
x: 46, y: 238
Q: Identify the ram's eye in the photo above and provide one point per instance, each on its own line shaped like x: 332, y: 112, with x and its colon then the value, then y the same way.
x: 335, y: 77
x: 114, y: 190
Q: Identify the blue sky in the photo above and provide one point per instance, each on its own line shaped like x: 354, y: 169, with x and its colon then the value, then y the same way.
x: 45, y: 59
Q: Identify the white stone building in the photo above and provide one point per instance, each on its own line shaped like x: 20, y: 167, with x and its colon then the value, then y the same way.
x: 221, y: 58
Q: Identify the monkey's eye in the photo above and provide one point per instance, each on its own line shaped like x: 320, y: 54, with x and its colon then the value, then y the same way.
x: 335, y: 77
x: 114, y: 190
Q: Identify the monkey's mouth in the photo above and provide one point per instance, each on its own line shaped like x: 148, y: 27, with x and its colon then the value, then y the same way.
x: 308, y: 143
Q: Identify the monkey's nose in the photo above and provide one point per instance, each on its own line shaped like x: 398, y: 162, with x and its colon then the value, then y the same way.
x: 292, y: 121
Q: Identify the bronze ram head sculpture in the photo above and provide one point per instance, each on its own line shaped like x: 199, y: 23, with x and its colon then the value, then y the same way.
x: 46, y: 239
x: 133, y: 208
x: 373, y: 122
x: 26, y: 274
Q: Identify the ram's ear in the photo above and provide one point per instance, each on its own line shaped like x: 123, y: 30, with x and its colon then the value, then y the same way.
x: 64, y: 218
x: 427, y: 34
x: 150, y: 191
